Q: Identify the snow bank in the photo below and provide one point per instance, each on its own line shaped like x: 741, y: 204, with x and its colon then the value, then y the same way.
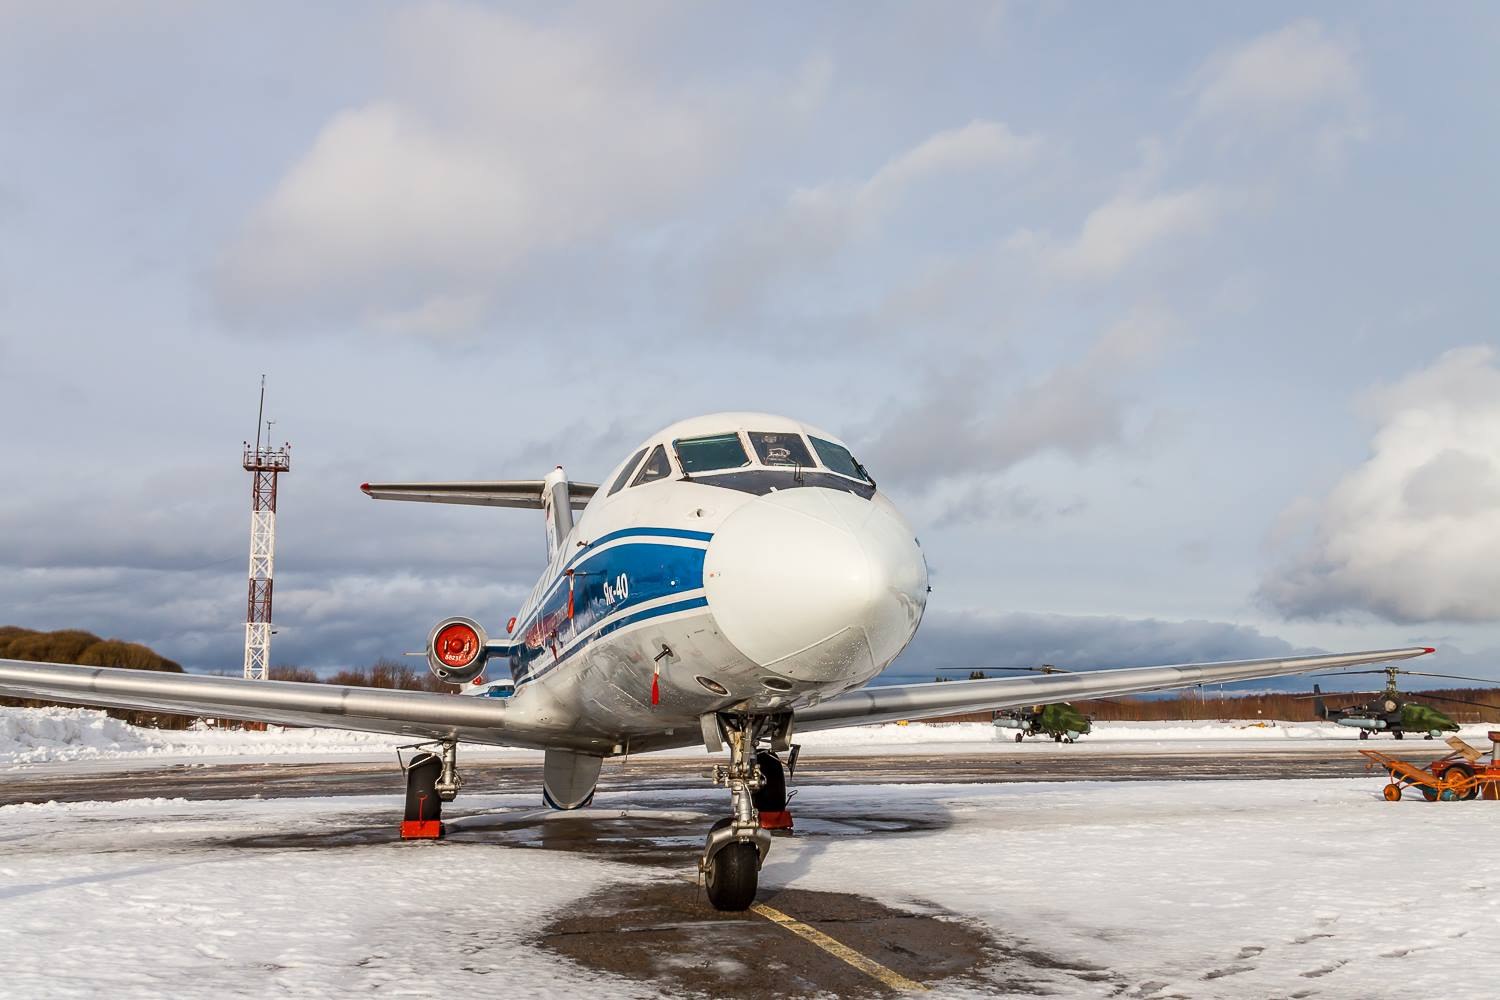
x: 43, y: 735
x: 38, y: 734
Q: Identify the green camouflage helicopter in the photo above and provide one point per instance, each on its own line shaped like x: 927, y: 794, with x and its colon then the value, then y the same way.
x: 1060, y: 720
x: 1388, y: 712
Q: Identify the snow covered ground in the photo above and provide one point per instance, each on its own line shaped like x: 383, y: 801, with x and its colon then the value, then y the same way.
x: 1217, y: 889
x: 42, y: 735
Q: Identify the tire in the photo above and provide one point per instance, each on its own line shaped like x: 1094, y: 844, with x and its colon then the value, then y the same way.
x: 1467, y: 772
x: 422, y: 802
x: 1057, y: 739
x: 1020, y: 737
x: 732, y: 876
x: 1398, y: 734
x: 771, y: 796
x: 1392, y: 792
x: 1429, y: 793
x: 1364, y: 734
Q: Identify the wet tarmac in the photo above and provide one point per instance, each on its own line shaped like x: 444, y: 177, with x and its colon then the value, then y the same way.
x: 277, y: 779
x: 669, y: 936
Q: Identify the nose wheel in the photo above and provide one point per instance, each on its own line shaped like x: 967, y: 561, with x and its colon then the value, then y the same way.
x: 732, y: 873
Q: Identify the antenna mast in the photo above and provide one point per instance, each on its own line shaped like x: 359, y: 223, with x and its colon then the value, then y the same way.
x: 264, y: 464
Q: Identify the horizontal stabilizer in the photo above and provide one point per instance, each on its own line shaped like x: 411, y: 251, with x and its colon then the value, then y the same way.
x: 522, y: 493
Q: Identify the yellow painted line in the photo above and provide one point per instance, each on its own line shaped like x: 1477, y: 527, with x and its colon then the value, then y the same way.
x: 842, y: 952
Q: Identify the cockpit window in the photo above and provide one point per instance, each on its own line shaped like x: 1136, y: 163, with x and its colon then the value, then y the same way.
x: 619, y: 482
x: 781, y: 448
x: 705, y: 454
x: 837, y: 458
x: 655, y: 467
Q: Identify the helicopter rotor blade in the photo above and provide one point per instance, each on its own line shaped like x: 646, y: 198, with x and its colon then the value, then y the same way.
x: 1451, y: 677
x: 1460, y: 701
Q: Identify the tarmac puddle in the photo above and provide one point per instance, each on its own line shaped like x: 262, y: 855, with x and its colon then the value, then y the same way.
x: 670, y: 936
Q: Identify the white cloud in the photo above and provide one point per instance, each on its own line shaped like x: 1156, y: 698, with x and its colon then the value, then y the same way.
x: 1412, y: 535
x: 509, y: 140
x: 818, y: 223
x: 1297, y: 79
x: 842, y: 210
x: 978, y: 145
x: 962, y: 426
x: 1280, y: 74
x: 1129, y: 226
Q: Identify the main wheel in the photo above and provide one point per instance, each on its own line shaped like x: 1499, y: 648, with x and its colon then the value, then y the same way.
x: 1020, y: 737
x: 1056, y: 739
x: 1364, y: 734
x: 1393, y: 792
x: 771, y: 796
x: 1398, y: 734
x: 423, y: 804
x: 732, y: 876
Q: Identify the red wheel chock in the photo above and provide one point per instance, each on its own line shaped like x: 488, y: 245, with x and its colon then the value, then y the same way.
x: 421, y: 829
x: 781, y: 820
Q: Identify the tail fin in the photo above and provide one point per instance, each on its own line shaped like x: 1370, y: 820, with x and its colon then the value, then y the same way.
x: 556, y: 509
x: 1318, y: 706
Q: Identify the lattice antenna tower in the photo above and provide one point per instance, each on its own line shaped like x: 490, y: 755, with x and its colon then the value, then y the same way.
x: 264, y: 464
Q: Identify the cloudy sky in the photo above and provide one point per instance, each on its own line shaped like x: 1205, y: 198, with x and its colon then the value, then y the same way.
x: 1173, y: 329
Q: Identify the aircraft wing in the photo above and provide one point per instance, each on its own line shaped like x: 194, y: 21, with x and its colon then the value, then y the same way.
x: 524, y: 493
x: 924, y: 701
x: 419, y: 714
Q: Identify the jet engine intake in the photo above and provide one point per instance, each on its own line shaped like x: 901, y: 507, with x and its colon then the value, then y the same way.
x: 456, y: 650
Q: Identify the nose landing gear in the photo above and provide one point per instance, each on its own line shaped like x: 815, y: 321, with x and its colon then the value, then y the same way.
x: 737, y: 845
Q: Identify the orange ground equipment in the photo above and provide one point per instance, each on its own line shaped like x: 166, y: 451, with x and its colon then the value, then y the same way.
x: 1466, y: 773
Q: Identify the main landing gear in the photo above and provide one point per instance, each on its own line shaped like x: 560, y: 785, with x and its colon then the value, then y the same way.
x: 431, y: 779
x: 737, y: 845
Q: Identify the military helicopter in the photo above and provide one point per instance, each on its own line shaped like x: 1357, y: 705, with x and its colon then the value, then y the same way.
x: 1060, y: 720
x: 1389, y: 712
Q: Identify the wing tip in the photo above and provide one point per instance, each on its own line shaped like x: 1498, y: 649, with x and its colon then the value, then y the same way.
x: 1429, y: 649
x: 364, y: 488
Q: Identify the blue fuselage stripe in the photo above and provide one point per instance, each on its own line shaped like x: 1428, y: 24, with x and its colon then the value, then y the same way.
x: 646, y: 565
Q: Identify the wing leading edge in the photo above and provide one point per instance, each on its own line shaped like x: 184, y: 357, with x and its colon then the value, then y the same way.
x: 917, y: 701
x: 421, y: 714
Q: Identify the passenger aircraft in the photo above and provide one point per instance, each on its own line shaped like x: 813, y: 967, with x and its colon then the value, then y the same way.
x: 739, y: 578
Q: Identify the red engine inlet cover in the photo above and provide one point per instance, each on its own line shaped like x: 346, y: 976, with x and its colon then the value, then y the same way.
x: 456, y: 645
x: 456, y: 650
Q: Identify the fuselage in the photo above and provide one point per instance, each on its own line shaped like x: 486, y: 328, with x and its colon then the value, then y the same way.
x: 734, y: 562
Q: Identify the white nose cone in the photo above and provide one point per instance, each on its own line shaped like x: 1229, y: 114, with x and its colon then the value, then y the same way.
x: 816, y: 584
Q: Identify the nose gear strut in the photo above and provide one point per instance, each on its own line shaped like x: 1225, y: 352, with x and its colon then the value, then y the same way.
x: 737, y: 845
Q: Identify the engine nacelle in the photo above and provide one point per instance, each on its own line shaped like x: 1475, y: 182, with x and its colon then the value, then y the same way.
x: 456, y: 650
